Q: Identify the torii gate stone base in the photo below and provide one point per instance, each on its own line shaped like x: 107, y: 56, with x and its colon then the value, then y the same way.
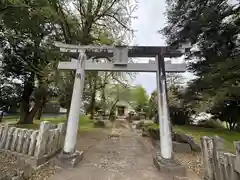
x: 163, y: 160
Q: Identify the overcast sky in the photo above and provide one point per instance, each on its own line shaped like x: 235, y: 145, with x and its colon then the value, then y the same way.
x: 150, y: 20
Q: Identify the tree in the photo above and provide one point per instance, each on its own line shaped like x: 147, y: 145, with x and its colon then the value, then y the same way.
x: 26, y: 37
x: 9, y: 95
x: 139, y: 98
x: 174, y: 79
x: 180, y: 112
x: 227, y: 109
x: 152, y: 104
x: 213, y: 28
x: 115, y: 93
x: 174, y: 89
x: 100, y: 22
x: 28, y: 29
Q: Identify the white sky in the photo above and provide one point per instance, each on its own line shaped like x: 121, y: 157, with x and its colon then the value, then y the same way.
x: 150, y: 19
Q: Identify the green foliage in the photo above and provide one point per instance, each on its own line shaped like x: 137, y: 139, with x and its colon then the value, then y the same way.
x: 9, y: 94
x: 213, y: 28
x: 116, y: 93
x: 227, y: 109
x: 27, y: 31
x: 179, y: 116
x: 152, y: 104
x: 139, y: 98
x: 180, y: 112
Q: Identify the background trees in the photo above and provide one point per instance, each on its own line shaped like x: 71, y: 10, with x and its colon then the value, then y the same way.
x: 212, y: 27
x: 28, y: 30
x: 139, y: 99
x: 9, y: 95
x: 26, y: 33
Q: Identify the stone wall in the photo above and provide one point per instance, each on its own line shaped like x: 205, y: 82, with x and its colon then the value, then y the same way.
x: 219, y: 165
x: 36, y: 146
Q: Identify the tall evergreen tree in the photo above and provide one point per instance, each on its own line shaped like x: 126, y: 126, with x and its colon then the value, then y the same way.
x: 212, y: 27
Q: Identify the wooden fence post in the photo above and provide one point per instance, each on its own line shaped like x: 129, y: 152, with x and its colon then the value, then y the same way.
x: 61, y: 127
x: 218, y: 145
x: 4, y: 136
x: 26, y: 143
x: 1, y: 131
x: 14, y: 140
x: 237, y: 162
x: 32, y: 145
x: 205, y: 156
x: 20, y: 140
x: 9, y: 138
x: 42, y: 140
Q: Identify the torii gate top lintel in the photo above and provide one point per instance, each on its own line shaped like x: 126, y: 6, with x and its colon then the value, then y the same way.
x: 107, y: 51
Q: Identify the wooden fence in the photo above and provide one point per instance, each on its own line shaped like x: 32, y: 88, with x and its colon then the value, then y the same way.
x: 36, y: 144
x: 219, y: 165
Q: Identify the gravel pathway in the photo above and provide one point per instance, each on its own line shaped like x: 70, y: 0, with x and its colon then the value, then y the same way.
x: 119, y: 156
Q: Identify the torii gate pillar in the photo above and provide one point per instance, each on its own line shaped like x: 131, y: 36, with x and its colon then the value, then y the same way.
x: 164, y: 160
x: 163, y: 111
x: 76, y: 102
x: 69, y: 157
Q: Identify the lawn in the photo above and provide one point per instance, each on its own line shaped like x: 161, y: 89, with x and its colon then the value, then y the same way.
x: 85, y: 123
x: 197, y: 132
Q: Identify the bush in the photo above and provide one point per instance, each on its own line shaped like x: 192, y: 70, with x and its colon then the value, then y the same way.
x: 179, y: 116
x: 135, y: 118
x: 153, y: 132
x: 210, y: 123
x: 140, y: 125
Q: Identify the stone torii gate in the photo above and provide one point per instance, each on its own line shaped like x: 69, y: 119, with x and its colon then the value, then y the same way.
x: 120, y: 55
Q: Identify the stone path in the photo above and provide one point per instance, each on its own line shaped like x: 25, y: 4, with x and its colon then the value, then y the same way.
x: 115, y: 158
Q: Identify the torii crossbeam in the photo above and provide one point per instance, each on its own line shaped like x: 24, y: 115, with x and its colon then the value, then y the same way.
x: 120, y: 55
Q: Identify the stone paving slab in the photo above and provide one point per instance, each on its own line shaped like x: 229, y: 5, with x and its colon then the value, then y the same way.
x: 122, y: 158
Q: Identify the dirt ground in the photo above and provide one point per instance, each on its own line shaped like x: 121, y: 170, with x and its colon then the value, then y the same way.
x: 118, y: 154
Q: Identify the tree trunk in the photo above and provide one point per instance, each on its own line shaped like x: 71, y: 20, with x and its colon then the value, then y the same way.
x: 227, y: 125
x: 1, y: 116
x: 93, y: 95
x: 25, y: 102
x: 112, y: 109
x: 93, y: 102
x: 32, y: 113
x: 39, y: 112
x: 231, y: 125
x: 68, y: 111
x: 103, y: 99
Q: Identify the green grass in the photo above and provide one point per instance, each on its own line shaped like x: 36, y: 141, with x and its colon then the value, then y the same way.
x: 197, y: 132
x: 85, y: 123
x: 152, y: 125
x: 10, y: 118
